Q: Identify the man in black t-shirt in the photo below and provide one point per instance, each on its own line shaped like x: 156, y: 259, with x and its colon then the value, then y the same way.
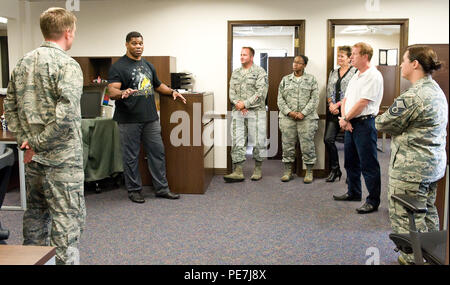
x: 132, y: 83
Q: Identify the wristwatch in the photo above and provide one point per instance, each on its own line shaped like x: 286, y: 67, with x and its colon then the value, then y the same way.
x: 345, y: 118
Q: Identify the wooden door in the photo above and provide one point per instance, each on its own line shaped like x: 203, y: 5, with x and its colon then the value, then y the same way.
x: 390, y: 80
x: 278, y: 68
x: 391, y: 77
x: 5, y: 61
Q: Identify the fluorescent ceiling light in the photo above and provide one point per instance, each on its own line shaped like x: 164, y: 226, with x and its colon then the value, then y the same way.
x: 355, y: 30
x: 3, y: 20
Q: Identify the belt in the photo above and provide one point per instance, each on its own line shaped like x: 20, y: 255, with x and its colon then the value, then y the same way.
x: 362, y: 118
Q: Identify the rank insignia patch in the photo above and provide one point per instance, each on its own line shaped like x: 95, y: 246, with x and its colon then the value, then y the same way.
x: 397, y: 108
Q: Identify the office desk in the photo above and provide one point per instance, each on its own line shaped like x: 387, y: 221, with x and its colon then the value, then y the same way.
x: 27, y: 255
x: 102, y: 155
x: 190, y: 168
x: 8, y: 139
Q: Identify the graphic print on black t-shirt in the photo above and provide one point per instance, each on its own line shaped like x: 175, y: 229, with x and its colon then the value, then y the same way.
x: 138, y: 75
x: 141, y: 81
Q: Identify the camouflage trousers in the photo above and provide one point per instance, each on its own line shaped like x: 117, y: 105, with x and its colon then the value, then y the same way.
x: 305, y: 131
x: 249, y: 129
x: 423, y: 192
x: 56, y: 211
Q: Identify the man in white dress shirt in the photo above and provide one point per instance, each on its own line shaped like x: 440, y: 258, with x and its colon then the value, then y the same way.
x: 359, y: 108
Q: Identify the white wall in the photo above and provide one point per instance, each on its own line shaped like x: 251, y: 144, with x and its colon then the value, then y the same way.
x: 261, y: 43
x: 20, y: 34
x: 9, y: 8
x: 195, y: 32
x: 377, y: 42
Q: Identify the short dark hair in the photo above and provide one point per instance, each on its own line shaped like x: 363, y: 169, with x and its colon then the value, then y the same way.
x: 305, y: 58
x: 426, y: 57
x: 252, y: 51
x: 133, y: 35
x: 346, y: 49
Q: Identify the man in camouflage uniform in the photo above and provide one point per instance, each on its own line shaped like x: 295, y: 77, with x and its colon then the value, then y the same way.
x: 298, y: 98
x: 417, y: 121
x: 43, y: 111
x: 248, y: 91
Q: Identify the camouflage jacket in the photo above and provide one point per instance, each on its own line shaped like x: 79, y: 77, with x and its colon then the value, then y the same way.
x: 250, y: 87
x: 42, y: 105
x: 299, y: 96
x: 417, y: 121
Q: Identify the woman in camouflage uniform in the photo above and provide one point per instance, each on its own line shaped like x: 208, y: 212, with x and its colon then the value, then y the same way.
x: 417, y: 122
x: 298, y: 98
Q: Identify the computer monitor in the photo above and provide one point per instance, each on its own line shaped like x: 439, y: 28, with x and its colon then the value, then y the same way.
x: 91, y: 102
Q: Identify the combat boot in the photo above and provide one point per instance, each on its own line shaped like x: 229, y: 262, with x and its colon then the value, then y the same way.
x: 236, y: 176
x: 309, y: 174
x: 401, y: 260
x: 287, y: 174
x: 257, y: 172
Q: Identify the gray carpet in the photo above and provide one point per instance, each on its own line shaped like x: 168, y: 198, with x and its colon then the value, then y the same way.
x: 264, y: 222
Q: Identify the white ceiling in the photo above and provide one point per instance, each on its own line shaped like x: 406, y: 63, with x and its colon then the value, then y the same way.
x: 360, y: 30
x: 56, y: 0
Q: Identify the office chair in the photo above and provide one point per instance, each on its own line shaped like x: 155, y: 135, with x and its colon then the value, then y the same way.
x: 430, y: 246
x: 6, y: 163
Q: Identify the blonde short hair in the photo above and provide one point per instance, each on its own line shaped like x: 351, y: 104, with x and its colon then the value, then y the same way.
x: 364, y: 49
x: 55, y: 21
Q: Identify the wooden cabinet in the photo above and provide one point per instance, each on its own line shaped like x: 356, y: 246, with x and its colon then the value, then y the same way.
x: 188, y: 136
x: 95, y: 67
x: 164, y: 65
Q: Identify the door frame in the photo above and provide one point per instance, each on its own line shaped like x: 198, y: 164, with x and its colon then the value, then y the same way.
x: 331, y: 23
x: 299, y: 48
x: 5, y: 60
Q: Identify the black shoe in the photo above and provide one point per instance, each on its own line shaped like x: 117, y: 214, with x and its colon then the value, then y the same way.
x: 4, y: 234
x: 346, y: 197
x: 136, y: 197
x: 168, y: 195
x: 366, y: 208
x: 335, y: 173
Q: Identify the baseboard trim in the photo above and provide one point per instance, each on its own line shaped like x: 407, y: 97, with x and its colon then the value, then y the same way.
x: 220, y: 171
